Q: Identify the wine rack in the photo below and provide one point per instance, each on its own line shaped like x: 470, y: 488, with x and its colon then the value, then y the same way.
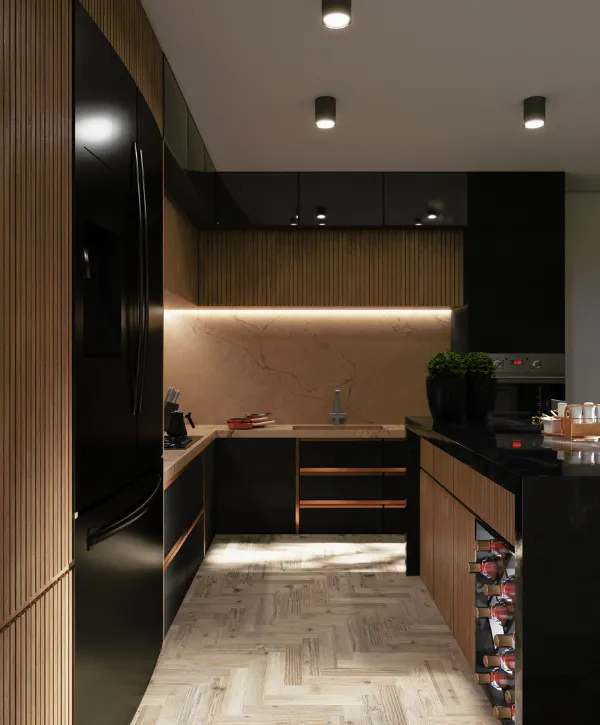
x: 494, y: 616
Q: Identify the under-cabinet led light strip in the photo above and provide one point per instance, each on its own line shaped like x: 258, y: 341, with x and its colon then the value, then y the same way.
x: 315, y: 312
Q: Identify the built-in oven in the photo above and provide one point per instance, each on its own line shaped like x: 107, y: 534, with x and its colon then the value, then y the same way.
x: 526, y: 382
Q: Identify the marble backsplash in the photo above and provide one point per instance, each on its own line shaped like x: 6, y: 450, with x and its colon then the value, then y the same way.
x: 290, y: 362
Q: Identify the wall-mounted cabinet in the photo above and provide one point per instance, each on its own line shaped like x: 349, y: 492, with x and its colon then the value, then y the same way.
x: 345, y: 200
x: 410, y: 198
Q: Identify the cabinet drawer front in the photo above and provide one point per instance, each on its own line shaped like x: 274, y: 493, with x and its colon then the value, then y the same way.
x: 341, y: 487
x: 175, y: 587
x: 341, y: 521
x: 427, y: 456
x: 443, y: 468
x: 341, y: 454
x: 183, y: 501
x: 394, y: 521
x: 395, y: 454
x: 395, y: 487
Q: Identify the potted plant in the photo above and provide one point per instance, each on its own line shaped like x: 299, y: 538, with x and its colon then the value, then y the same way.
x: 446, y: 387
x: 481, y: 387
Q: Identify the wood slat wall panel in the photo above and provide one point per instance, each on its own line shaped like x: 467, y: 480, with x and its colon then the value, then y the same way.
x: 180, y: 255
x: 443, y: 468
x: 126, y: 25
x: 35, y: 307
x: 443, y: 552
x: 36, y: 661
x: 328, y: 268
x: 427, y: 530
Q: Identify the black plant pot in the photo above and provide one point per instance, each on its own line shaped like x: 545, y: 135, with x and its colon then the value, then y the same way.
x: 481, y: 399
x: 446, y: 397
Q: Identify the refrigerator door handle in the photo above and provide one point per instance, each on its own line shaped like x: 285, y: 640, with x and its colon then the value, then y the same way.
x: 141, y: 278
x: 146, y: 274
x: 99, y: 534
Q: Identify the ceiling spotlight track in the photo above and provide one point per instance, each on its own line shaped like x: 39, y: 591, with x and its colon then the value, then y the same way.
x: 534, y: 112
x: 337, y: 14
x: 325, y: 112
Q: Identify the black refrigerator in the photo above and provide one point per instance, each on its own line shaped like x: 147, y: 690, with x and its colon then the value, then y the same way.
x: 118, y: 358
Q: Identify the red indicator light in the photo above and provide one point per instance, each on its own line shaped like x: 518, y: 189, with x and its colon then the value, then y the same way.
x: 516, y: 444
x: 517, y: 362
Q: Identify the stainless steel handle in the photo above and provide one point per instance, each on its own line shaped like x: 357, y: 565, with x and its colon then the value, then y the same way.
x: 146, y: 265
x: 136, y: 397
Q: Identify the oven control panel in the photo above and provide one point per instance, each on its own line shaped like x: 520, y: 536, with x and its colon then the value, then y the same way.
x: 531, y: 365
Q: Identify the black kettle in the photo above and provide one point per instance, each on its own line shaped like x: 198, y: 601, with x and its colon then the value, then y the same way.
x: 177, y: 423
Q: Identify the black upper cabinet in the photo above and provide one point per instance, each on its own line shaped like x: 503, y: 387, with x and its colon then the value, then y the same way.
x: 176, y: 118
x: 411, y: 197
x: 347, y: 199
x: 257, y: 200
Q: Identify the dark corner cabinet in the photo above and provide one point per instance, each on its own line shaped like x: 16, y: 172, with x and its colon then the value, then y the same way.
x: 117, y: 361
x: 255, y: 486
x: 189, y: 526
x: 352, y: 487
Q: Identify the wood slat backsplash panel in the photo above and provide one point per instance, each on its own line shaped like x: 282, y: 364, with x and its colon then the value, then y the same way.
x: 180, y: 254
x: 126, y: 25
x: 331, y: 268
x: 36, y: 661
x: 35, y: 300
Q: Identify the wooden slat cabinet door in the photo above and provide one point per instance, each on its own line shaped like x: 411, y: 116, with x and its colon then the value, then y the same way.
x: 426, y: 529
x: 443, y: 569
x: 464, y: 583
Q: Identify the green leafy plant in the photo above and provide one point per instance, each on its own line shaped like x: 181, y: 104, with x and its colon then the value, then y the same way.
x: 479, y: 365
x: 446, y: 364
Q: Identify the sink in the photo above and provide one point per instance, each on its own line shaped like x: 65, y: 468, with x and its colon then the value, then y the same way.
x: 342, y: 426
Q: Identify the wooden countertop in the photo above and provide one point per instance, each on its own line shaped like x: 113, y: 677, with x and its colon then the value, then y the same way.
x: 176, y: 461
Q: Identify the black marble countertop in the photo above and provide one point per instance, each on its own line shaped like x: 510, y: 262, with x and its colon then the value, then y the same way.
x: 508, y: 451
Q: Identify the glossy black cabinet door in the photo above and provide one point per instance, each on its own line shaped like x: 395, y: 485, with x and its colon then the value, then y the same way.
x: 255, y: 486
x: 257, y: 200
x: 341, y: 521
x: 175, y: 588
x: 183, y: 502
x: 411, y: 197
x: 395, y: 454
x: 208, y: 457
x: 341, y: 454
x: 341, y: 487
x: 193, y: 552
x: 348, y: 200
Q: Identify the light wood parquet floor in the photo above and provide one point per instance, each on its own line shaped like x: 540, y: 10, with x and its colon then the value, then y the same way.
x: 310, y: 630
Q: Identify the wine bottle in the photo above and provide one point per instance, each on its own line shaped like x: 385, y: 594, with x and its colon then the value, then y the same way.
x: 492, y: 545
x: 499, y: 679
x: 504, y: 659
x: 509, y: 696
x: 505, y: 589
x: 504, y: 712
x: 493, y: 567
x: 505, y: 640
x: 501, y: 612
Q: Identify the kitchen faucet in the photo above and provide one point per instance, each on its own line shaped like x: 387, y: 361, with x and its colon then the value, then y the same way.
x: 337, y: 416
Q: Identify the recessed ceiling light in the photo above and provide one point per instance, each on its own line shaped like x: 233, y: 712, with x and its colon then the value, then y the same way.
x: 534, y: 112
x: 325, y: 112
x: 337, y: 14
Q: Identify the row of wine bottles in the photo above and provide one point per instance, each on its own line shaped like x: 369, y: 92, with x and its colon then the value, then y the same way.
x: 502, y: 612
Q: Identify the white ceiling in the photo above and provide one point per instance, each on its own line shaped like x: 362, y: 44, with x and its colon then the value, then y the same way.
x: 421, y: 84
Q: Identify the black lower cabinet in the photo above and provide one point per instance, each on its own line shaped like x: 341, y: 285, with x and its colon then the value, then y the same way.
x: 210, y: 517
x: 183, y: 501
x: 255, y: 486
x: 394, y: 521
x: 341, y: 487
x: 341, y: 521
x: 175, y: 588
x: 193, y: 552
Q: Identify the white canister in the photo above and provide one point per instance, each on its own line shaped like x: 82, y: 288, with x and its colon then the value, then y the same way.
x: 589, y: 413
x: 552, y: 425
x: 576, y: 410
x: 562, y: 407
x: 597, y: 407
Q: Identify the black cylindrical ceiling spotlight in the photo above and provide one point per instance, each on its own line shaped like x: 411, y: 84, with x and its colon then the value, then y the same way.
x: 325, y: 112
x: 321, y: 212
x: 337, y: 14
x: 534, y: 112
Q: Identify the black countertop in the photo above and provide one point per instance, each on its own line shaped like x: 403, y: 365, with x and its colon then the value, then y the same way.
x: 509, y: 451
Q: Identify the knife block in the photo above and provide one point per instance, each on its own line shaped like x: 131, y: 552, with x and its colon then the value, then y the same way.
x: 169, y: 408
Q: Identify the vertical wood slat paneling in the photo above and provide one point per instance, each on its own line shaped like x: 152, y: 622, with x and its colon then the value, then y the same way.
x: 35, y: 309
x: 330, y: 268
x: 36, y: 661
x: 464, y: 583
x: 126, y: 25
x: 180, y: 255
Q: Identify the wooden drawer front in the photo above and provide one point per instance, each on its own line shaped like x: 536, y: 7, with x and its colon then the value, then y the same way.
x: 395, y: 454
x: 341, y: 454
x: 341, y: 521
x: 443, y: 552
x: 464, y: 583
x: 427, y: 456
x: 183, y: 502
x: 443, y: 468
x: 341, y: 487
x: 493, y: 504
x: 426, y: 527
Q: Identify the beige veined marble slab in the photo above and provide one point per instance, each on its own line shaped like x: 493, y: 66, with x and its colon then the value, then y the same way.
x: 310, y: 630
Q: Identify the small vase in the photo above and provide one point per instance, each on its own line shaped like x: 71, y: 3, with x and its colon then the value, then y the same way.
x: 446, y: 397
x: 481, y: 398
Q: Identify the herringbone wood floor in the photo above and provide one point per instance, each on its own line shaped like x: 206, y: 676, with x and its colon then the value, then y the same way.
x: 307, y: 630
